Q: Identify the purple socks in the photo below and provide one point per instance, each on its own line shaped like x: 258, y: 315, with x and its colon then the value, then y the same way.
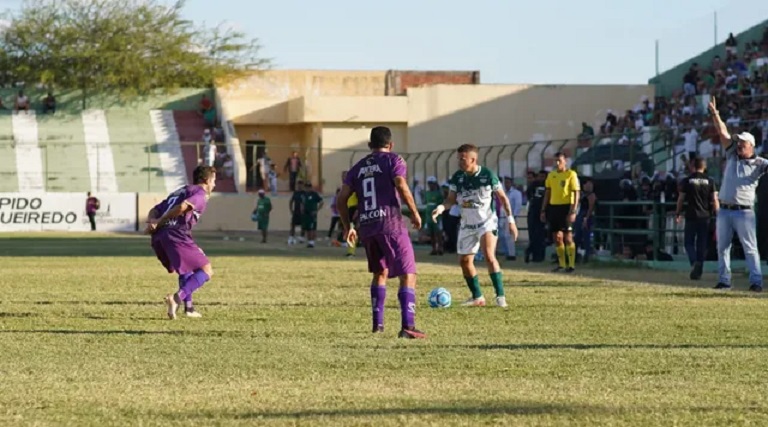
x: 407, y: 297
x: 378, y: 296
x: 192, y: 283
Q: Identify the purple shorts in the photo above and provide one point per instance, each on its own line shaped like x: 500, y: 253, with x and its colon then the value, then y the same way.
x: 392, y: 251
x: 178, y: 255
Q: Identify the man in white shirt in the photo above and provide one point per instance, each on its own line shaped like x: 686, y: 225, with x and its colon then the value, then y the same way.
x: 516, y: 203
x: 691, y: 138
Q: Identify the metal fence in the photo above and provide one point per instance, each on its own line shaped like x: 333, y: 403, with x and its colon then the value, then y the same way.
x: 590, y: 156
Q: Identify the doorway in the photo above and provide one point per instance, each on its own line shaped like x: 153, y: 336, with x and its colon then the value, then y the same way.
x: 254, y: 150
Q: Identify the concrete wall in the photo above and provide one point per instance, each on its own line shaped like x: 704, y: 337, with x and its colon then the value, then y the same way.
x: 444, y: 116
x: 232, y: 212
x: 340, y: 141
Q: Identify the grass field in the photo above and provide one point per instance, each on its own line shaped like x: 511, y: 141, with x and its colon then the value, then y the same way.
x: 285, y: 340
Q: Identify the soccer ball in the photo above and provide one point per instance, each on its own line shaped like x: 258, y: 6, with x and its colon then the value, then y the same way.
x: 439, y: 298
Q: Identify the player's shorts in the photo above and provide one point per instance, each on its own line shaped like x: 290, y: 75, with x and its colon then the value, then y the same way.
x: 262, y: 224
x: 178, y: 255
x: 393, y: 252
x: 309, y: 222
x: 468, y: 242
x: 557, y: 218
x: 296, y: 219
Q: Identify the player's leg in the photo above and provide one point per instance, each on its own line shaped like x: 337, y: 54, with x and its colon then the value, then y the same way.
x: 401, y: 262
x: 311, y: 227
x: 377, y: 266
x: 467, y: 246
x: 570, y: 246
x: 189, y: 308
x: 488, y: 246
x: 187, y: 257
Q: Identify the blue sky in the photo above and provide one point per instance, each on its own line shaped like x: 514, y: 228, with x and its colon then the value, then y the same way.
x: 508, y: 41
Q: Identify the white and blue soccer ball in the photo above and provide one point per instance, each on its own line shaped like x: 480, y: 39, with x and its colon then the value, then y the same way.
x: 439, y: 298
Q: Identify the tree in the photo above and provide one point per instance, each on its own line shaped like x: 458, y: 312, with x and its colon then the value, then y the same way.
x: 130, y: 47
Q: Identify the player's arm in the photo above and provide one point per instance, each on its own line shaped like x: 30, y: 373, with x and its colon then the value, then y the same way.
x: 504, y: 200
x: 341, y: 206
x: 178, y: 210
x: 445, y: 205
x: 401, y: 184
x: 576, y: 194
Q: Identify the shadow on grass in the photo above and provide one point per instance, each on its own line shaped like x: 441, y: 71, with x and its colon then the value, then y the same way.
x: 532, y: 346
x: 136, y: 332
x: 255, y: 304
x: 474, y: 408
x: 135, y: 245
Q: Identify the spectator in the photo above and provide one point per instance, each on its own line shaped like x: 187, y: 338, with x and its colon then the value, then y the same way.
x: 22, y: 102
x: 49, y: 104
x: 293, y: 167
x: 92, y: 204
x: 273, y: 179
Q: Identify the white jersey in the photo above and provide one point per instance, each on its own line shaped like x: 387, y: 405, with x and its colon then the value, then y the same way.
x: 474, y: 194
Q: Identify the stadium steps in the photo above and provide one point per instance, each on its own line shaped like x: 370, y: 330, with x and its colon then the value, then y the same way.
x: 190, y: 128
x: 101, y: 163
x: 8, y: 180
x: 134, y: 151
x: 168, y: 149
x: 65, y: 163
x: 29, y: 156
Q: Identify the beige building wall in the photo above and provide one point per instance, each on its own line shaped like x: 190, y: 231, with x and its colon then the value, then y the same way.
x: 444, y: 117
x: 295, y: 108
x: 263, y: 96
x: 343, y: 143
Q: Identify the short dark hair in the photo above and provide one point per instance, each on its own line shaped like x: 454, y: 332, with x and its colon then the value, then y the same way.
x: 202, y: 174
x: 559, y: 154
x: 699, y: 162
x: 381, y: 137
x: 467, y: 148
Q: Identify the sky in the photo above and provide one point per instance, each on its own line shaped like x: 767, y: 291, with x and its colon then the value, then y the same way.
x: 508, y: 41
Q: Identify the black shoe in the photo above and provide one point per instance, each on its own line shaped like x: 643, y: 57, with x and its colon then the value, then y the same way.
x: 696, y: 271
x: 722, y: 286
x: 377, y: 329
x: 570, y: 270
x: 756, y: 288
x: 411, y: 334
x: 558, y: 269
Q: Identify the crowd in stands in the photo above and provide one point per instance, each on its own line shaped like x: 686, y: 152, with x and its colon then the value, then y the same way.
x: 21, y: 102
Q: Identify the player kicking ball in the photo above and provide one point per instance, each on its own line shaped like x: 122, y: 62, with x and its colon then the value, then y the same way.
x: 377, y: 180
x: 170, y: 223
x: 473, y: 187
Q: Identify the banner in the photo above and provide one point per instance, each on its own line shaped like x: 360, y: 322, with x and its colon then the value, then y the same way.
x: 66, y: 212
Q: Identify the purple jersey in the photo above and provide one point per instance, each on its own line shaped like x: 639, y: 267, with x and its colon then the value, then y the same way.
x: 378, y: 204
x: 194, y: 195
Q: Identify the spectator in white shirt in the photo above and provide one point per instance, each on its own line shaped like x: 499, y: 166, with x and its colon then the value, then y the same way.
x: 516, y: 203
x: 691, y: 138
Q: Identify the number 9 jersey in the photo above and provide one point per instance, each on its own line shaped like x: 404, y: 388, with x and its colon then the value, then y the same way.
x: 378, y: 204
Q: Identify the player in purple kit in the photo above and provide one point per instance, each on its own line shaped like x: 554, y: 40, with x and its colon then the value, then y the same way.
x: 380, y: 182
x: 170, y: 223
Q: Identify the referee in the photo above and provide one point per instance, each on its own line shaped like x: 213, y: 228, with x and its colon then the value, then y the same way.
x: 700, y: 193
x: 561, y: 199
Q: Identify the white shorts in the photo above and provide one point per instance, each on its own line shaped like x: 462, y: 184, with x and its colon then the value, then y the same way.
x: 469, y: 239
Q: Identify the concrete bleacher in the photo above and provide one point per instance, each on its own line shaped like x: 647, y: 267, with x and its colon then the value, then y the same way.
x: 8, y: 180
x: 672, y: 79
x: 65, y: 163
x: 190, y: 127
x: 134, y: 150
